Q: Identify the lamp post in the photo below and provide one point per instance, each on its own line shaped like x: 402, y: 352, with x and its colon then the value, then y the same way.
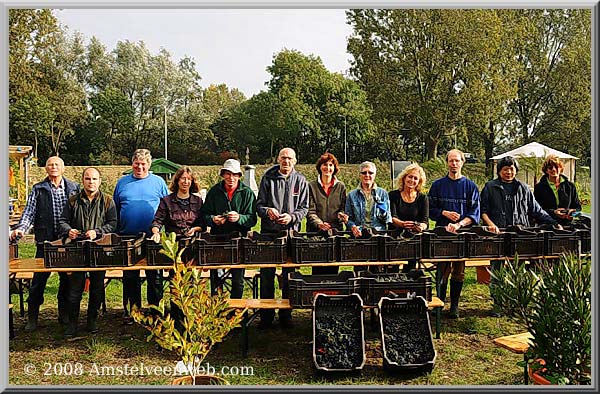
x: 345, y: 148
x: 165, y: 107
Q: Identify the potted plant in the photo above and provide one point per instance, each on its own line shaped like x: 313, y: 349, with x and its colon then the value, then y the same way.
x: 554, y: 304
x: 204, y: 320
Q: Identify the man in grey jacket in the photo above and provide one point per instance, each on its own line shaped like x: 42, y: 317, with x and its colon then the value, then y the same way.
x: 282, y: 204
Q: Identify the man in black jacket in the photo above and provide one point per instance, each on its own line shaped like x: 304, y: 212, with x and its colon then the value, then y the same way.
x: 43, y: 210
x: 87, y: 215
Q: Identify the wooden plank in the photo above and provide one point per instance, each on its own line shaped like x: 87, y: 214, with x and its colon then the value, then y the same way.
x: 37, y: 265
x: 435, y: 303
x: 281, y: 303
x: 254, y: 303
x: 24, y: 275
x: 518, y: 343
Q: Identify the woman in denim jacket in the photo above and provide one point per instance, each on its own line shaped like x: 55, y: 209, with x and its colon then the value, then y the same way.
x: 367, y: 206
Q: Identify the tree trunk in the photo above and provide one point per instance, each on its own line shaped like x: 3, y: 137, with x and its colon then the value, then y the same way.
x: 431, y: 145
x: 488, y: 146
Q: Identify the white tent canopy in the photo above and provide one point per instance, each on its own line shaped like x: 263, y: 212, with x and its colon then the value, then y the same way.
x: 535, y: 149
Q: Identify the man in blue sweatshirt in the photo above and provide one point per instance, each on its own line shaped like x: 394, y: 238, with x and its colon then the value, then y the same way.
x: 282, y: 204
x: 136, y: 197
x: 453, y: 203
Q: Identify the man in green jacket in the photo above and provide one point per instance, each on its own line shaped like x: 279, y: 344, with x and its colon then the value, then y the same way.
x: 230, y: 206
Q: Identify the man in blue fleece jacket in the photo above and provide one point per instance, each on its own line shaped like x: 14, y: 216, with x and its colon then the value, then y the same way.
x: 453, y: 203
x: 136, y: 197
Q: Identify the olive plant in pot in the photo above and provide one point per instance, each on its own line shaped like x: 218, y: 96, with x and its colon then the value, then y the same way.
x: 203, y: 319
x: 553, y: 301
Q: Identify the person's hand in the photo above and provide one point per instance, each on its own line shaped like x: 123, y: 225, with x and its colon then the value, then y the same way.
x: 453, y: 216
x: 558, y: 227
x: 192, y: 231
x: 155, y: 237
x: 219, y: 220
x: 273, y: 214
x: 16, y: 234
x: 73, y: 233
x: 561, y: 213
x: 233, y: 216
x: 493, y: 228
x: 418, y: 227
x: 453, y: 227
x: 324, y: 226
x: 407, y: 224
x: 284, y: 219
x: 356, y: 231
x: 91, y: 234
x: 343, y: 217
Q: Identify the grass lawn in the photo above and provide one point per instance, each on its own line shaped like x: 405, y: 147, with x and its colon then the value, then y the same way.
x: 465, y: 352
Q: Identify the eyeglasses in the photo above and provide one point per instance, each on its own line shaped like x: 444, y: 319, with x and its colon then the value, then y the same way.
x: 367, y: 172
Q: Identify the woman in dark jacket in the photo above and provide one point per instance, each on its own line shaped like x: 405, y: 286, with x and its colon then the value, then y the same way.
x: 408, y: 205
x: 179, y: 212
x: 555, y: 193
x: 327, y: 200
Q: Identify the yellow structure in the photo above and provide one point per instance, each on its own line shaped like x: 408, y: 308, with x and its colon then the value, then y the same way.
x: 18, y: 177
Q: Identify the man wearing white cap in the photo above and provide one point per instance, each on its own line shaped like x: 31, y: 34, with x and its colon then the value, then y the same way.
x: 230, y: 206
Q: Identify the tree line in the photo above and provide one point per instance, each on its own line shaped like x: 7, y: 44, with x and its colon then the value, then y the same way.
x: 420, y: 83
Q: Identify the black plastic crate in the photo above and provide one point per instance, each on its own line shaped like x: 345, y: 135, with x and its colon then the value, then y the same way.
x: 525, y: 242
x: 481, y: 243
x: 338, y: 333
x: 372, y: 287
x: 365, y: 248
x: 13, y: 251
x: 312, y: 247
x: 586, y: 240
x: 304, y: 288
x: 265, y: 248
x: 582, y: 225
x: 155, y: 257
x: 442, y: 244
x: 72, y: 254
x: 397, y: 245
x: 406, y: 336
x: 114, y: 250
x: 562, y: 241
x: 218, y: 248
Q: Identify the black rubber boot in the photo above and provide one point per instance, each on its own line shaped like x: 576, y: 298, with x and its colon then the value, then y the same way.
x: 92, y: 321
x: 443, y: 288
x: 63, y: 313
x: 73, y: 320
x: 33, y: 312
x: 455, y: 290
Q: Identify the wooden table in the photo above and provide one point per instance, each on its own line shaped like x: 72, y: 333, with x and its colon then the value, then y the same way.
x: 518, y: 344
x: 37, y: 265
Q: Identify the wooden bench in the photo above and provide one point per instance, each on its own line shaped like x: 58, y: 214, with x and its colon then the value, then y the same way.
x: 21, y: 280
x: 518, y: 344
x: 278, y: 303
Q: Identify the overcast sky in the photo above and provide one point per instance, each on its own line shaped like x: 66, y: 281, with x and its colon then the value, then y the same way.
x: 229, y: 46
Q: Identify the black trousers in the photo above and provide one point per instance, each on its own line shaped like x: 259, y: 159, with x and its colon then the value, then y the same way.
x: 267, y: 290
x: 77, y: 285
x: 237, y: 282
x: 132, y: 288
x: 38, y: 284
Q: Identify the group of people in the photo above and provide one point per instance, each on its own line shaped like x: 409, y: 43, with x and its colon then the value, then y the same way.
x: 57, y: 208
